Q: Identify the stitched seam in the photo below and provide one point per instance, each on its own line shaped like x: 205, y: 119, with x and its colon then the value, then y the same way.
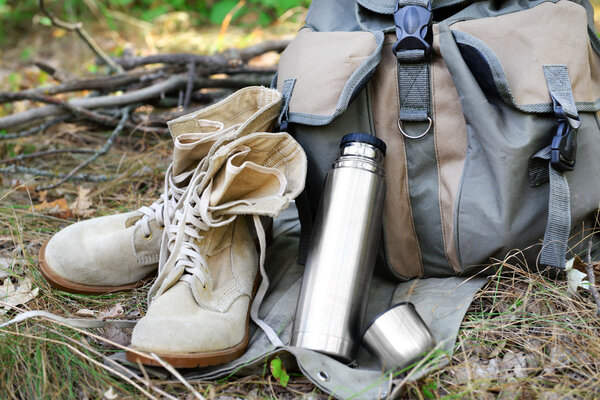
x: 410, y: 212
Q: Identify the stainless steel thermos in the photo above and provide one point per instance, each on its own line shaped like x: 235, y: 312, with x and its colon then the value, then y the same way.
x: 341, y: 257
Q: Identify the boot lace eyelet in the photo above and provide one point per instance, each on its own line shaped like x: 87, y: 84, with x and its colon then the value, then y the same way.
x: 148, y: 237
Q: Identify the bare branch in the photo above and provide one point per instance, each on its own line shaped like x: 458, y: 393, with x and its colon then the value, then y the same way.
x: 35, y: 129
x: 174, y: 82
x: 228, y: 59
x: 83, y: 34
x: 110, y: 83
x: 17, y: 169
x: 134, y: 96
x: 248, y: 53
x: 44, y: 153
x: 589, y: 268
x: 190, y: 85
x: 102, y: 151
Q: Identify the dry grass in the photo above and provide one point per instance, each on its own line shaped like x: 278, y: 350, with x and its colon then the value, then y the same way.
x: 523, y: 336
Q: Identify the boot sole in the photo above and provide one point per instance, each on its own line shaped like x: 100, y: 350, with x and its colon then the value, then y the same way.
x: 60, y: 283
x: 206, y: 359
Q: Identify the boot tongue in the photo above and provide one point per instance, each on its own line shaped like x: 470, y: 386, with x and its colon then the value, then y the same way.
x: 190, y: 148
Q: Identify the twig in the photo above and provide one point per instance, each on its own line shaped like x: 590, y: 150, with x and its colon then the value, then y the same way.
x: 45, y: 153
x: 103, y: 150
x: 589, y: 267
x: 83, y: 34
x: 111, y: 83
x: 51, y: 70
x: 190, y: 85
x: 17, y: 169
x: 35, y: 129
x: 215, y: 62
x: 177, y: 375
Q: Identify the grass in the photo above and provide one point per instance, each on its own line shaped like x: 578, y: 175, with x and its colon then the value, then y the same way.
x: 524, y: 336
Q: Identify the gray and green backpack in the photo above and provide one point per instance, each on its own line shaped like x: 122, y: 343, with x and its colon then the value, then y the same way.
x: 489, y: 110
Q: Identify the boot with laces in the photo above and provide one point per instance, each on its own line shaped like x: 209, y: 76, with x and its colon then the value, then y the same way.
x: 200, y: 304
x: 120, y: 252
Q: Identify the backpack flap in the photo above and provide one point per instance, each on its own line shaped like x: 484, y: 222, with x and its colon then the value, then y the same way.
x: 322, y: 76
x: 507, y: 80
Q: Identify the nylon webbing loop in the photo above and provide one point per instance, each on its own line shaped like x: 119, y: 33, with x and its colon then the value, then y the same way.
x: 411, y: 50
x: 558, y: 225
x: 286, y: 92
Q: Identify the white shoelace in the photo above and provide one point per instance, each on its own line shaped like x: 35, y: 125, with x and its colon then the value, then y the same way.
x: 181, y: 258
x: 171, y: 195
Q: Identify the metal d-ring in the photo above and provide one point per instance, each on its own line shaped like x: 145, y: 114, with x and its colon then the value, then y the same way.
x: 418, y: 136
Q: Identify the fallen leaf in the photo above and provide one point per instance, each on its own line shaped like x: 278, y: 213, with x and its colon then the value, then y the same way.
x: 116, y: 335
x: 110, y: 394
x: 6, y: 266
x: 16, y: 294
x: 82, y: 206
x: 278, y: 371
x: 84, y: 312
x: 576, y: 279
x: 515, y: 363
x: 114, y: 312
x: 58, y: 208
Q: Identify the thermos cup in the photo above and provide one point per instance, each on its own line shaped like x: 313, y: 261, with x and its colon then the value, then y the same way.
x: 341, y: 257
x: 398, y: 337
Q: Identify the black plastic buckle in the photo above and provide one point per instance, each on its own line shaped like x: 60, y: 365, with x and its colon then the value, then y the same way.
x: 564, y: 142
x: 413, y: 26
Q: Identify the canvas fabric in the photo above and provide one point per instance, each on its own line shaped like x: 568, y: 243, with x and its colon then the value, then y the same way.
x: 459, y: 196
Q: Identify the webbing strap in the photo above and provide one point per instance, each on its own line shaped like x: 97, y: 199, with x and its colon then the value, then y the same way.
x: 422, y: 3
x: 558, y: 225
x: 559, y: 85
x: 413, y: 87
x: 413, y: 78
x: 286, y: 92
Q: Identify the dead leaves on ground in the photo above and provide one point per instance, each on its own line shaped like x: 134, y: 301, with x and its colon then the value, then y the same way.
x: 16, y: 294
x: 60, y: 208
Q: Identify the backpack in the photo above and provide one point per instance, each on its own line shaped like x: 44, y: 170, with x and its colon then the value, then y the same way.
x: 489, y: 111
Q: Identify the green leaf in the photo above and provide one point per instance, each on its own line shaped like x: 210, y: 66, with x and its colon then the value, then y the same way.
x: 93, y: 68
x: 45, y: 21
x: 278, y: 371
x: 221, y: 9
x: 14, y: 80
x: 153, y: 13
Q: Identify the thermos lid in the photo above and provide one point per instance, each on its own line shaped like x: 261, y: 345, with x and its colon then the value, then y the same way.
x: 364, y: 138
x: 398, y: 337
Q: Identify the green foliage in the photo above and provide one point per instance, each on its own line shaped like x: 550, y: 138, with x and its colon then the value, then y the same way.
x: 15, y: 14
x: 278, y: 371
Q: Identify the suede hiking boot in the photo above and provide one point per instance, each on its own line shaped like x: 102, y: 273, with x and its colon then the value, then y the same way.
x: 120, y: 252
x: 199, y: 305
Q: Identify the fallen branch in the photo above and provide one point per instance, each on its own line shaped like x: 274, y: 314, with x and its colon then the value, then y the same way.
x: 103, y: 150
x: 43, y: 154
x: 154, y: 91
x: 190, y: 85
x: 589, y: 268
x: 228, y: 58
x: 78, y: 27
x: 35, y: 129
x: 106, y: 83
x: 17, y: 169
